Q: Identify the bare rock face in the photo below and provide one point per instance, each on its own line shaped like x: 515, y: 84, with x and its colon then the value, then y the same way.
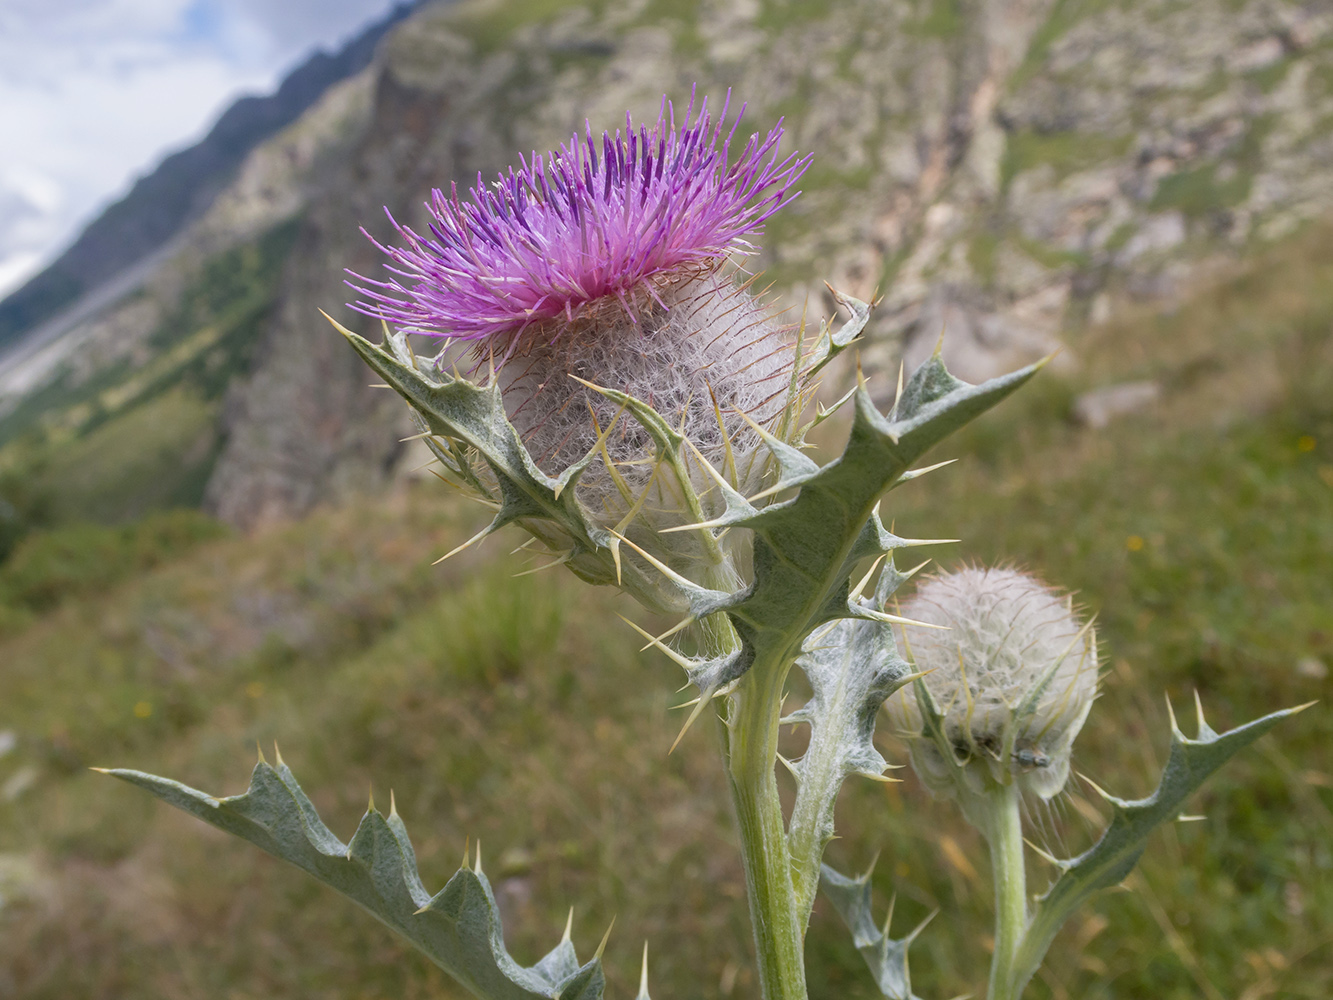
x: 1004, y: 176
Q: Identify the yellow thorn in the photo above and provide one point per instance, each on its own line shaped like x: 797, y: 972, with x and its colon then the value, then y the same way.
x: 922, y: 926
x: 915, y: 570
x: 477, y: 867
x: 1171, y: 713
x: 883, y: 779
x: 704, y: 699
x: 1096, y: 787
x: 393, y: 805
x: 599, y: 444
x: 683, y: 623
x: 262, y: 758
x: 860, y: 587
x: 913, y: 543
x: 467, y: 846
x: 663, y: 567
x: 277, y: 755
x: 789, y: 766
x: 643, y: 976
x: 569, y: 926
x: 336, y: 325
x: 918, y: 473
x: 371, y: 807
x: 1042, y: 853
x: 1198, y: 710
x: 605, y: 938
x: 889, y: 619
x: 537, y: 569
x: 471, y: 541
x: 675, y: 657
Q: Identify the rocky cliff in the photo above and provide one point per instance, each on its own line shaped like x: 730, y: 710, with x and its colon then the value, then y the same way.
x: 1007, y: 171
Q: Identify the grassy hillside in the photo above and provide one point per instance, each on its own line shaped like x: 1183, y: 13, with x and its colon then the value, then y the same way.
x: 143, y: 435
x: 517, y: 710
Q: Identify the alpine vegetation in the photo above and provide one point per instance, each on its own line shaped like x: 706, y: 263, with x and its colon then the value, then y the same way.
x: 604, y: 379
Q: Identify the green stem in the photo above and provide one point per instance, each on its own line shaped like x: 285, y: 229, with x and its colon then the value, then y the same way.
x: 751, y: 752
x: 1002, y: 826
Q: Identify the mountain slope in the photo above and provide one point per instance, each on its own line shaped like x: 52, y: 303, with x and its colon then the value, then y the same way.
x: 1005, y: 171
x: 1013, y: 173
x: 180, y: 188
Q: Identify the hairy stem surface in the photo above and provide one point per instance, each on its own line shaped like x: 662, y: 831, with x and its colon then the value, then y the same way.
x: 1001, y: 823
x: 751, y: 749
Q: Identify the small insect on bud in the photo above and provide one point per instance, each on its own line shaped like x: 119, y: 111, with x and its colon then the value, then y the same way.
x: 1011, y: 674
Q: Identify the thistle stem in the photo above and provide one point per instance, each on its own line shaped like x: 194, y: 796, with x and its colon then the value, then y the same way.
x: 751, y: 753
x: 1001, y: 824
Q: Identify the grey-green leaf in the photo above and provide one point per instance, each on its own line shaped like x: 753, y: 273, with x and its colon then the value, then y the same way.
x: 806, y: 548
x: 458, y: 928
x: 852, y: 670
x: 1114, y: 856
x: 886, y: 956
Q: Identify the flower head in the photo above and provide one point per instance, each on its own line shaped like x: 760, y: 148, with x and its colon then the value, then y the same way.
x: 576, y: 227
x: 1013, y: 678
x: 607, y: 265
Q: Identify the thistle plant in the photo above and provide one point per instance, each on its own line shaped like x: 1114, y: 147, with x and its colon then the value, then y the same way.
x: 605, y: 379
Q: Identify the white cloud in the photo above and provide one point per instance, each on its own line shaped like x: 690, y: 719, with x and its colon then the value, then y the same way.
x: 94, y: 92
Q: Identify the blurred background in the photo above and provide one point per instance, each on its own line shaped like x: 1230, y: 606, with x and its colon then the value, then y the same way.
x: 211, y: 534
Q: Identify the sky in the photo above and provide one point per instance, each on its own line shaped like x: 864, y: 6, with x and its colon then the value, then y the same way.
x: 93, y: 93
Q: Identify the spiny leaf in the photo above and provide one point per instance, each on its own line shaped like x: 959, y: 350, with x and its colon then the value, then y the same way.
x: 886, y: 956
x: 458, y: 928
x: 806, y: 548
x: 853, y: 667
x: 1115, y: 854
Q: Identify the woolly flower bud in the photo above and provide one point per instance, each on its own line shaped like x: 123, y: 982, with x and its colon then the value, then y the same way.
x: 1012, y: 678
x: 607, y: 264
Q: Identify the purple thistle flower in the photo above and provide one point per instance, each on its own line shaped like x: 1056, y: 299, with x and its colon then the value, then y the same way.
x: 575, y: 228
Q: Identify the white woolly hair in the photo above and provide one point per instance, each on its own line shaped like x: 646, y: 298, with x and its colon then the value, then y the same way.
x: 699, y: 339
x: 1008, y: 636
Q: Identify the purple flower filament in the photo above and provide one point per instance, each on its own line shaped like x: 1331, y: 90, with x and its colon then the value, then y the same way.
x: 574, y: 228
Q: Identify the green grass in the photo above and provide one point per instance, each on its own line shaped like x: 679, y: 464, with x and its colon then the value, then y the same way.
x: 1064, y: 15
x: 941, y: 19
x: 131, y: 440
x: 489, y: 25
x: 1198, y: 192
x: 520, y: 712
x: 1066, y: 152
